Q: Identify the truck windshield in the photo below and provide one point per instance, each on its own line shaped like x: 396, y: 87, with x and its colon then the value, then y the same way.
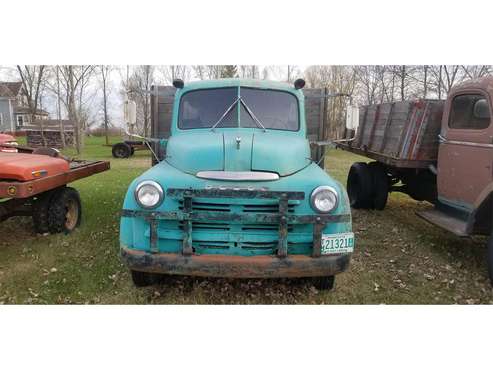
x: 276, y: 110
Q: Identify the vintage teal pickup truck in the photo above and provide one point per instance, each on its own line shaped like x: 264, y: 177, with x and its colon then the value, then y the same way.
x: 237, y: 194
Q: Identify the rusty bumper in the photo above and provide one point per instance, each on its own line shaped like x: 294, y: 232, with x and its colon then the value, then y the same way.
x: 235, y: 266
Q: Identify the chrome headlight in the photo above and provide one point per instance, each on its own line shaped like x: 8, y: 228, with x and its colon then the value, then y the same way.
x: 149, y: 194
x: 324, y: 199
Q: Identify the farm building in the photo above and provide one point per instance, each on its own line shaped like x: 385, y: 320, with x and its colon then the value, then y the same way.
x: 14, y: 112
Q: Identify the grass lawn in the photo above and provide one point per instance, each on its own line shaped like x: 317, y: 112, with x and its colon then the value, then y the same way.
x: 399, y: 258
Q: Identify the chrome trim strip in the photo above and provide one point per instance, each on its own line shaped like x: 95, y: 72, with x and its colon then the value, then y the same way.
x: 238, y: 175
x: 465, y: 143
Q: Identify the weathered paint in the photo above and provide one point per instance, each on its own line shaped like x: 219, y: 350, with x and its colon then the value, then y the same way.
x: 462, y: 158
x: 465, y: 165
x: 26, y: 189
x: 235, y: 266
x: 222, y: 220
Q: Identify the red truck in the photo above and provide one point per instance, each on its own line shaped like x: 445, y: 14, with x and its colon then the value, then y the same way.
x: 432, y: 150
x: 33, y: 183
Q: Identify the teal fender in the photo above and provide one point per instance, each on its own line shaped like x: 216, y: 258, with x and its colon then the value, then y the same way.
x: 135, y: 231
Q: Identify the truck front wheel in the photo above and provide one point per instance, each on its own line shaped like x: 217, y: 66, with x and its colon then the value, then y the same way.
x: 324, y: 282
x: 360, y: 186
x: 143, y: 279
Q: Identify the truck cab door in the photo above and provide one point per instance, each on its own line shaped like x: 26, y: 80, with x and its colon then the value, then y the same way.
x: 465, y: 156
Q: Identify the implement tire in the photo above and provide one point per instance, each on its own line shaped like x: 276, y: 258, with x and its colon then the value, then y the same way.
x: 40, y: 208
x: 65, y: 211
x: 360, y: 186
x: 121, y: 150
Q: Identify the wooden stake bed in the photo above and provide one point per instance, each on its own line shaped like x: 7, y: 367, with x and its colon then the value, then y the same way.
x: 78, y: 170
x: 400, y: 134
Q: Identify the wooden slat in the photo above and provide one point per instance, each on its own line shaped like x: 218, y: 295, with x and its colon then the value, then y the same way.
x: 406, y: 131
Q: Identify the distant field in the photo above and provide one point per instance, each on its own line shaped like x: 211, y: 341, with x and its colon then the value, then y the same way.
x: 399, y: 258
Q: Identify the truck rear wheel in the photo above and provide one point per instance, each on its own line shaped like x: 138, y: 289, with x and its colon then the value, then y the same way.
x: 489, y: 258
x: 360, y: 186
x: 121, y: 150
x: 65, y: 211
x: 380, y: 185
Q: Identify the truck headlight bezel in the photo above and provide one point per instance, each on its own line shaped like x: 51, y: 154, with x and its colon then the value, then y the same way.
x: 319, y: 192
x: 149, y: 184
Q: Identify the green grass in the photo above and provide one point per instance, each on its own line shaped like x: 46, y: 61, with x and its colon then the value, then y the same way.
x: 399, y: 258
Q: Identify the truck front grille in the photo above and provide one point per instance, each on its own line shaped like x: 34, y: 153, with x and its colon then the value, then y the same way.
x: 248, y: 243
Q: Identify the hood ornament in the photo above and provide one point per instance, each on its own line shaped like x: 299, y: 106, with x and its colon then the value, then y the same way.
x: 238, y: 142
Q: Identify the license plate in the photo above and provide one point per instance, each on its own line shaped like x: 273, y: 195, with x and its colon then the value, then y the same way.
x: 337, y: 243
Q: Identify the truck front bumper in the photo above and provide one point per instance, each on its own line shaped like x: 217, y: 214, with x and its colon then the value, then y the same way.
x: 235, y: 266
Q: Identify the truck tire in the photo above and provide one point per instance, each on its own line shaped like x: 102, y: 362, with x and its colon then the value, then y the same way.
x: 489, y: 258
x: 40, y: 207
x: 143, y: 279
x: 132, y: 151
x: 380, y: 185
x: 324, y: 282
x: 360, y: 186
x: 121, y: 150
x: 65, y: 211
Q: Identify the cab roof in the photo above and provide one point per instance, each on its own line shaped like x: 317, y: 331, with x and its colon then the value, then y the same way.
x: 484, y: 83
x: 233, y: 82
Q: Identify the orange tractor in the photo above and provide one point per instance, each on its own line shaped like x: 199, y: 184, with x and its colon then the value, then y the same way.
x: 33, y: 182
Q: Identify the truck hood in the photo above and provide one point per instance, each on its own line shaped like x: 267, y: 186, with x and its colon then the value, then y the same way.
x: 238, y: 150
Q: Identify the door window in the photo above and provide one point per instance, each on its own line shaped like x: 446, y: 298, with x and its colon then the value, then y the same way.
x: 470, y: 111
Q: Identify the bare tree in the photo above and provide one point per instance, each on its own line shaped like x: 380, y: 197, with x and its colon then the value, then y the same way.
x: 104, y: 71
x: 476, y: 71
x: 287, y: 73
x: 208, y: 72
x: 139, y: 85
x: 172, y: 72
x: 59, y: 107
x: 451, y: 76
x: 32, y: 80
x: 369, y: 83
x: 334, y: 79
x: 249, y: 71
x: 73, y: 84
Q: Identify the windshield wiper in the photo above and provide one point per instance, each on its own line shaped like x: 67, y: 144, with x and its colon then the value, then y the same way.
x: 256, y: 120
x: 225, y: 113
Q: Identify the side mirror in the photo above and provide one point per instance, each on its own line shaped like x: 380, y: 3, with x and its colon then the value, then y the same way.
x: 352, y: 117
x: 178, y: 83
x: 130, y: 112
x: 299, y: 83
